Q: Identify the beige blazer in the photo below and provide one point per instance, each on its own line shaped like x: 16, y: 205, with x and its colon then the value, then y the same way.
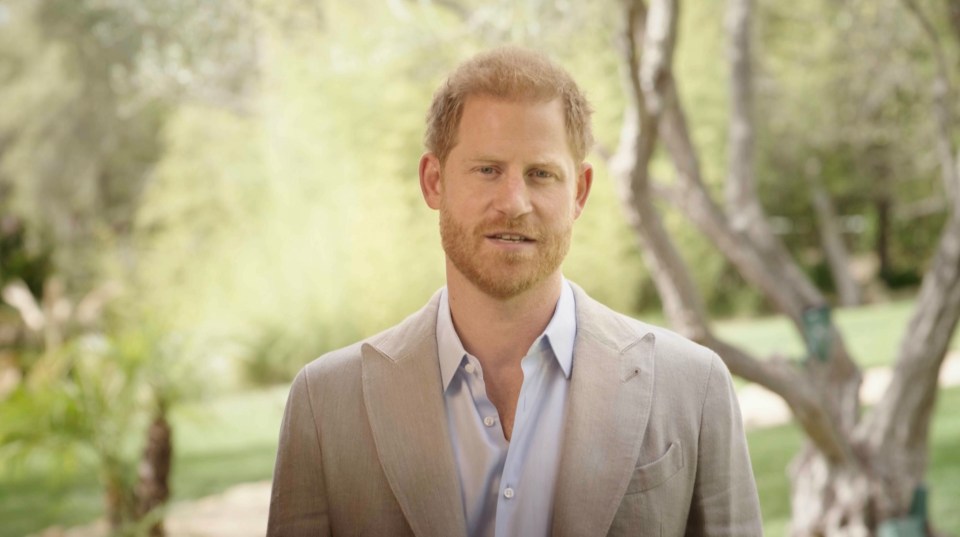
x: 653, y: 445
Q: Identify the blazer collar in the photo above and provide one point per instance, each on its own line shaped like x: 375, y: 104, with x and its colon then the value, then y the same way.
x: 608, y: 407
x: 404, y: 399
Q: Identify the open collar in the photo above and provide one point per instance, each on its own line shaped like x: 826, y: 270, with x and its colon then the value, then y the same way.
x: 559, y: 334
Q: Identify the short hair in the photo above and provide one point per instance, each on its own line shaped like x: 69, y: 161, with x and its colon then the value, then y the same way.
x: 510, y: 73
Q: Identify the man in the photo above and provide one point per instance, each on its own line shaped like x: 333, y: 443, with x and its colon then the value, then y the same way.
x: 512, y: 404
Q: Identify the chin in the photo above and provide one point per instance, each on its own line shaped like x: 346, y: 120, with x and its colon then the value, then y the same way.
x: 506, y: 287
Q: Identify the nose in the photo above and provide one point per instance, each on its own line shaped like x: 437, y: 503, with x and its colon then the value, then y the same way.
x: 512, y: 195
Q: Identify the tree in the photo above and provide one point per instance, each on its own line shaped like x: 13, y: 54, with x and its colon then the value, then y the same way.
x: 88, y: 87
x: 89, y: 391
x: 853, y: 472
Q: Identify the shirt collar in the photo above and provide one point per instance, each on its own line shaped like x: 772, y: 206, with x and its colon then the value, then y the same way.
x: 560, y: 335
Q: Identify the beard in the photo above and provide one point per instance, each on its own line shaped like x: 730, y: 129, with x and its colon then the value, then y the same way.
x: 503, y: 274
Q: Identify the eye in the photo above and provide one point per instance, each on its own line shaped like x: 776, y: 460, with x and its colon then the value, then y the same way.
x: 542, y: 174
x: 486, y: 170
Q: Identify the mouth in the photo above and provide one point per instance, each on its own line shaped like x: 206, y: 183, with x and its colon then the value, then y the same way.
x: 512, y: 238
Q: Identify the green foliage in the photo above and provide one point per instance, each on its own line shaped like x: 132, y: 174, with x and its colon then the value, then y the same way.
x: 86, y: 404
x: 218, y: 443
x: 17, y: 261
x: 251, y: 169
x: 223, y: 135
x: 87, y: 88
x: 844, y: 90
x: 300, y: 228
x: 70, y: 407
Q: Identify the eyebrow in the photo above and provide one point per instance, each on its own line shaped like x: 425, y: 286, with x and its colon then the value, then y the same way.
x: 486, y: 159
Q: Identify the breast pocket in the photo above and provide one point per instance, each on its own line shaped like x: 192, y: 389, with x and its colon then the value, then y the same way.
x: 654, y: 474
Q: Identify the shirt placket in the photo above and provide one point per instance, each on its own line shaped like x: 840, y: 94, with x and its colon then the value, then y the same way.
x: 510, y: 480
x: 488, y: 425
x: 486, y: 411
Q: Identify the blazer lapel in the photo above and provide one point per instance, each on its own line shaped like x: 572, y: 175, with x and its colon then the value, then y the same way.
x: 611, y: 391
x: 404, y: 399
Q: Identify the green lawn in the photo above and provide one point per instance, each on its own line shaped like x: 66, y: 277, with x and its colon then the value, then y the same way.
x: 771, y: 450
x: 232, y: 439
x: 218, y: 443
x: 872, y: 333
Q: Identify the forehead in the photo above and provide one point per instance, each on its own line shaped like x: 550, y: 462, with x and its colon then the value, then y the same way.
x: 490, y: 124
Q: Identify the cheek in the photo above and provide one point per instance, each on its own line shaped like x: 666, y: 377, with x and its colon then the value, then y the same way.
x: 460, y: 207
x: 564, y: 205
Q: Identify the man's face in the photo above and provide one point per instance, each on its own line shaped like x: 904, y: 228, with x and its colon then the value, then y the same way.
x: 508, y: 194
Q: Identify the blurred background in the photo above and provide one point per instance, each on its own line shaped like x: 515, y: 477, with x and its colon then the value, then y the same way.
x: 199, y: 197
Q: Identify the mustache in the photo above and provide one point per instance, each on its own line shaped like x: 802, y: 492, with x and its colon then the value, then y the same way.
x: 517, y: 226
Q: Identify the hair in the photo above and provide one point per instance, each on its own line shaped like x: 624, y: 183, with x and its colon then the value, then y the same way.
x: 509, y: 73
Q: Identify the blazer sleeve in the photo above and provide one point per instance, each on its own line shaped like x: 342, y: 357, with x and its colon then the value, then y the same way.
x: 725, y: 501
x: 298, y: 503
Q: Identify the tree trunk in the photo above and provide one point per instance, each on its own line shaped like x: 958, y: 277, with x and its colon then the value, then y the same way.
x: 118, y: 499
x: 153, y: 486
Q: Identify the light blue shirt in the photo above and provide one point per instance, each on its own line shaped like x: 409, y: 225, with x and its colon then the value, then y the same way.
x: 507, y: 488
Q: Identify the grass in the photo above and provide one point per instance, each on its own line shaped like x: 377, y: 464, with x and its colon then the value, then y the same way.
x: 232, y: 440
x: 772, y: 449
x: 218, y: 443
x: 32, y: 499
x: 872, y: 333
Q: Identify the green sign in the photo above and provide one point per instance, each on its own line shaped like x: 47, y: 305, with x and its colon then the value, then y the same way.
x: 816, y: 331
x: 912, y: 525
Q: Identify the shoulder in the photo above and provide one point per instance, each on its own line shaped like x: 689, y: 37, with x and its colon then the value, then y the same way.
x: 681, y: 361
x: 345, y: 362
x: 677, y: 357
x: 619, y: 330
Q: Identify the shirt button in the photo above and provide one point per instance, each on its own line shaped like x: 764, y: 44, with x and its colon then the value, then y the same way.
x: 469, y: 368
x: 489, y: 421
x: 508, y: 493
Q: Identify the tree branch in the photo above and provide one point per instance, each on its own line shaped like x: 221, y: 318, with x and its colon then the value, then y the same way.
x: 906, y: 212
x: 740, y: 186
x: 644, y: 76
x: 831, y: 237
x: 942, y: 94
x: 647, y: 75
x: 782, y: 378
x: 649, y: 79
x: 902, y: 417
x: 953, y: 7
x: 765, y: 272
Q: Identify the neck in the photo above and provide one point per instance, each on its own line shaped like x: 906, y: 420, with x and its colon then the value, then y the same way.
x: 499, y: 331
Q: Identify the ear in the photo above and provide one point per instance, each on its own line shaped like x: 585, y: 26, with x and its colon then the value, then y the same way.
x: 584, y: 182
x: 430, y: 184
